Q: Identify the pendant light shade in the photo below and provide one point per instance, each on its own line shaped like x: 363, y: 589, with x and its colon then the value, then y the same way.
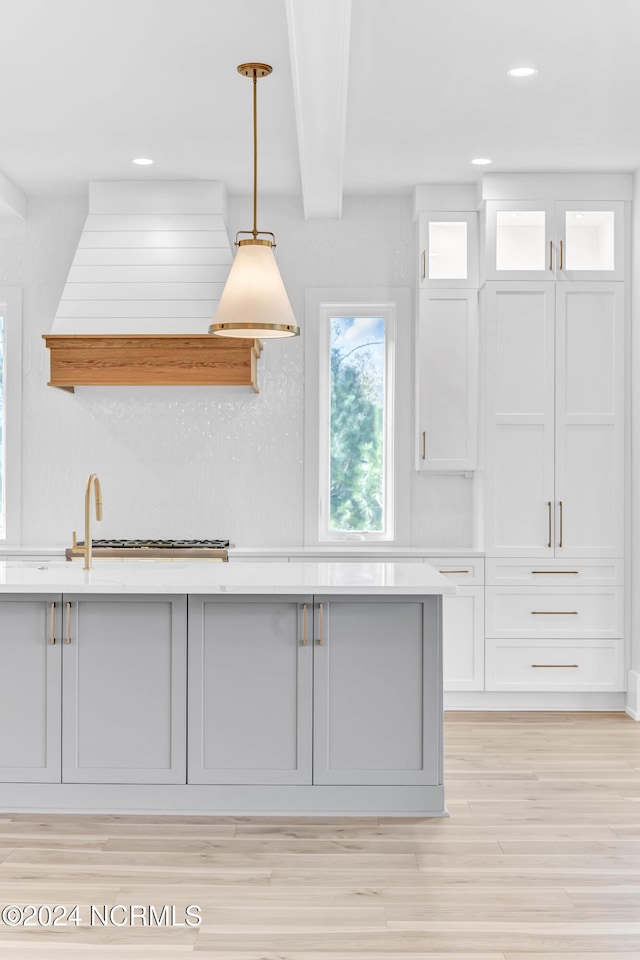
x: 254, y: 302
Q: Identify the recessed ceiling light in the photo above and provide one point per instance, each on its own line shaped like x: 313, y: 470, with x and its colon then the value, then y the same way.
x: 481, y: 161
x: 142, y: 161
x: 522, y: 72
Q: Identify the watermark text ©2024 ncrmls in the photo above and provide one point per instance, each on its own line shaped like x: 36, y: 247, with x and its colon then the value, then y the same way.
x: 101, y: 915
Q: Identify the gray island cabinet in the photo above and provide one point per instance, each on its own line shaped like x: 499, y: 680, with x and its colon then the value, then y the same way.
x: 221, y: 702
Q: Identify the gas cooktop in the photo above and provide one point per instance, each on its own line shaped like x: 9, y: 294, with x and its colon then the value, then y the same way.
x: 153, y: 549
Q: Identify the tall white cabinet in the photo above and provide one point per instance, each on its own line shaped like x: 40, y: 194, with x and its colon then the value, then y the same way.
x: 554, y: 447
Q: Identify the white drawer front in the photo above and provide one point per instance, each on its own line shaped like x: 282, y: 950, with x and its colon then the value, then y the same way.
x: 462, y: 570
x: 554, y: 573
x: 526, y: 612
x: 548, y: 665
x: 463, y: 639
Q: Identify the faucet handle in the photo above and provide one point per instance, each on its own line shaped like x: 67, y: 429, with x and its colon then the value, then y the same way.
x: 74, y: 543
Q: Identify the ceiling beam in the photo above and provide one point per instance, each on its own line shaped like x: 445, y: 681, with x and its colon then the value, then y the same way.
x: 13, y: 202
x: 319, y: 48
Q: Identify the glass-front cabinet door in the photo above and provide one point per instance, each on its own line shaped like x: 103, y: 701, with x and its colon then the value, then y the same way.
x: 590, y: 241
x: 448, y: 249
x: 520, y: 240
x: 568, y: 240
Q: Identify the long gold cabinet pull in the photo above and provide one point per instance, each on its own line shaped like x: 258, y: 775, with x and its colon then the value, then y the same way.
x: 549, y: 543
x: 320, y: 617
x: 556, y: 572
x: 550, y: 254
x: 424, y: 264
x: 52, y: 634
x: 560, y: 541
x: 561, y: 256
x: 304, y: 624
x: 424, y: 444
x: 67, y: 638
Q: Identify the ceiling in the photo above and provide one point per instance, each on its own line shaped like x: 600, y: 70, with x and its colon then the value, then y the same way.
x: 367, y: 96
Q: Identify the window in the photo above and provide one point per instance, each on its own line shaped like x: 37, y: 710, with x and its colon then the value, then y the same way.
x: 356, y: 404
x: 10, y: 412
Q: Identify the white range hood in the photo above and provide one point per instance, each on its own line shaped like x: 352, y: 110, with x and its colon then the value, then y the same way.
x: 152, y: 259
x: 143, y: 289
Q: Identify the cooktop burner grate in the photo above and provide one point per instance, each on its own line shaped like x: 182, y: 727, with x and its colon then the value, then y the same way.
x: 162, y: 544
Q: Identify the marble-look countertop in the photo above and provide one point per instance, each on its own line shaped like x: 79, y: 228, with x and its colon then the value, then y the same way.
x: 210, y: 577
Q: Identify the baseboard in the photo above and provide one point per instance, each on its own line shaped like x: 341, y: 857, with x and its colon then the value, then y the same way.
x: 632, y: 706
x: 537, y: 701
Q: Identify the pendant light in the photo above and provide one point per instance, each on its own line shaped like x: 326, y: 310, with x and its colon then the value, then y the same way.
x: 254, y: 302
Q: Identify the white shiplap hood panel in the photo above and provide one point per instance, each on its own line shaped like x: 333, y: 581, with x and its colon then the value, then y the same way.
x: 152, y: 259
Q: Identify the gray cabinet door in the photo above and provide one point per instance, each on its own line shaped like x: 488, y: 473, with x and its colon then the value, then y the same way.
x: 30, y: 689
x: 250, y: 688
x: 124, y: 689
x: 377, y: 691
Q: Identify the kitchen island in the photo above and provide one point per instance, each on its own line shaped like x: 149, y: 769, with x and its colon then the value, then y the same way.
x: 195, y: 687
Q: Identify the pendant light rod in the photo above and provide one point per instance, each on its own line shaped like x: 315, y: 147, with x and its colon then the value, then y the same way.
x: 255, y: 154
x: 255, y: 71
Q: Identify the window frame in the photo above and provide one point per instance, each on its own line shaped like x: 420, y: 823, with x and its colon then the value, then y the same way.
x: 394, y: 304
x: 11, y: 311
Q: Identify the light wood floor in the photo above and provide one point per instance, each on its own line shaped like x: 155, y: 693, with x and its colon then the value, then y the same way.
x: 540, y: 860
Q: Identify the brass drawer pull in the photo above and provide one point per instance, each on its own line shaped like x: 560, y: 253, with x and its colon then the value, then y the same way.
x: 445, y: 572
x: 424, y: 264
x: 424, y: 444
x: 52, y: 637
x: 555, y: 572
x: 561, y: 255
x: 68, y: 636
x: 549, y: 544
x: 550, y: 254
x: 320, y: 639
x: 561, y: 666
x: 554, y: 613
x: 304, y: 625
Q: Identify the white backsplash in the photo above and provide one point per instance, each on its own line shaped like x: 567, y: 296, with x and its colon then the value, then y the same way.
x: 199, y: 462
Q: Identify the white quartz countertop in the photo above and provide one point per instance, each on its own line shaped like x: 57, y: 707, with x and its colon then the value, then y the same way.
x: 207, y: 577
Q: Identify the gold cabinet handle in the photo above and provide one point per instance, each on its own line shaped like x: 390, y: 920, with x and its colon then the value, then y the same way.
x: 560, y: 542
x: 561, y: 666
x: 549, y: 544
x: 52, y: 635
x: 424, y: 264
x: 550, y: 254
x: 67, y: 639
x: 561, y: 254
x: 320, y: 638
x: 304, y: 625
x: 445, y: 572
x: 555, y: 572
x: 424, y: 444
x: 554, y: 613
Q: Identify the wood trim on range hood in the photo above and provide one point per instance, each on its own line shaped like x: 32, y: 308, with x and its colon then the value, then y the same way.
x: 79, y: 360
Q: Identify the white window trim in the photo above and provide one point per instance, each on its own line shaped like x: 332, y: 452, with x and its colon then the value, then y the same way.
x: 389, y: 302
x: 11, y: 310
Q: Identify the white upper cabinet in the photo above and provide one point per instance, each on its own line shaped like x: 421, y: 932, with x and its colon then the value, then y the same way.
x: 448, y: 249
x: 590, y: 241
x: 540, y: 240
x: 447, y: 379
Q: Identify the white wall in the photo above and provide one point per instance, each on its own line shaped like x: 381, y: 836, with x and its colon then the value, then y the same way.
x: 187, y: 462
